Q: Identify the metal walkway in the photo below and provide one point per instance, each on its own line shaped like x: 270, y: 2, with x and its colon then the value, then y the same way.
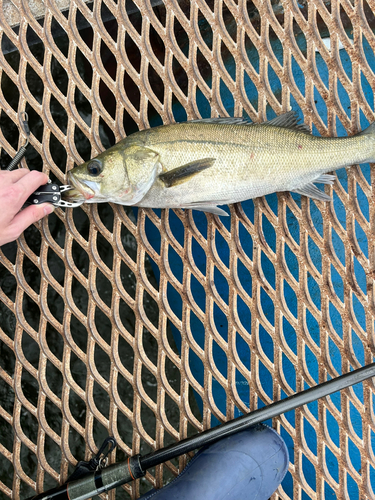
x: 153, y: 325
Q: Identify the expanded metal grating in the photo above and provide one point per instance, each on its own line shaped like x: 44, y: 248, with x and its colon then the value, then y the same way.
x: 153, y: 325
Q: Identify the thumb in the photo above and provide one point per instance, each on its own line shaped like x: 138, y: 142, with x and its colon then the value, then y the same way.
x: 26, y: 217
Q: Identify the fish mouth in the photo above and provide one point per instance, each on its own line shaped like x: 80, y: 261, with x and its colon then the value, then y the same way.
x: 80, y: 189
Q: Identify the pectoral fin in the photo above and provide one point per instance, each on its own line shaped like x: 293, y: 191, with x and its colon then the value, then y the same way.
x: 185, y: 172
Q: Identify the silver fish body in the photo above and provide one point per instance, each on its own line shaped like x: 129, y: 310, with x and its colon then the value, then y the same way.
x: 205, y: 163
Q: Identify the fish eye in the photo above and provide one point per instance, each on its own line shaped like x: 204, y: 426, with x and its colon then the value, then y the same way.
x: 94, y: 167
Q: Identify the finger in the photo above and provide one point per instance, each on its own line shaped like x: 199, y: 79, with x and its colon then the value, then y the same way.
x: 10, y: 177
x: 32, y: 181
x: 27, y: 217
x: 17, y: 193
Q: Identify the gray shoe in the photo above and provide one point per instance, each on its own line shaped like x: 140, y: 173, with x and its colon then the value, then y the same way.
x: 248, y: 465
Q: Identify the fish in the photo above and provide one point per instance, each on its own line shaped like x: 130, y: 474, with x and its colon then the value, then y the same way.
x: 202, y: 164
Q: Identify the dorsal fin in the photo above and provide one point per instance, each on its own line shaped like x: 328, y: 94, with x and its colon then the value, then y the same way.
x: 288, y: 120
x: 370, y: 130
x: 227, y: 120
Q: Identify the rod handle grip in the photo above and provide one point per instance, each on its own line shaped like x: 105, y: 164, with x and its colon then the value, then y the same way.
x: 96, y: 482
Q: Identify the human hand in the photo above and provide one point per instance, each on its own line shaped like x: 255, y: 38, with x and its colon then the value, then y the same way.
x: 15, y: 187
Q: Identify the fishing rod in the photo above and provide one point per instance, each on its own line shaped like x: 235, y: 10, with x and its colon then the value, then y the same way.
x: 107, y: 478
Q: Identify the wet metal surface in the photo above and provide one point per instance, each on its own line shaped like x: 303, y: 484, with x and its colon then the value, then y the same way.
x: 153, y: 325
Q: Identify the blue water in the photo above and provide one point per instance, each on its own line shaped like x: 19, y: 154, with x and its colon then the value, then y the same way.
x: 266, y: 304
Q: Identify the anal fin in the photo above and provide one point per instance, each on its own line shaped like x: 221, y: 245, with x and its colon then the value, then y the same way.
x: 312, y: 191
x: 185, y: 172
x: 326, y: 179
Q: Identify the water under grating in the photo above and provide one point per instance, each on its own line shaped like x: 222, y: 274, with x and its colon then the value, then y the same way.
x: 152, y: 325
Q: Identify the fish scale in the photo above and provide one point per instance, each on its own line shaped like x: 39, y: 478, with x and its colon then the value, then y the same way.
x: 205, y: 163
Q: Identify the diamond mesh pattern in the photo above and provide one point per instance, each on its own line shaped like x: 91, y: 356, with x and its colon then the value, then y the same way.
x: 278, y: 297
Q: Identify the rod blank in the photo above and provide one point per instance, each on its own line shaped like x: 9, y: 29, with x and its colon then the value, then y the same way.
x: 123, y: 472
x: 210, y: 436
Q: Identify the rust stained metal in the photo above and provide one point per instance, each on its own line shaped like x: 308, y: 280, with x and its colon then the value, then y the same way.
x: 12, y: 12
x: 76, y: 292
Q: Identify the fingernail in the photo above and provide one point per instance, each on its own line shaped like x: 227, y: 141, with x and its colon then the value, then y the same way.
x: 48, y: 209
